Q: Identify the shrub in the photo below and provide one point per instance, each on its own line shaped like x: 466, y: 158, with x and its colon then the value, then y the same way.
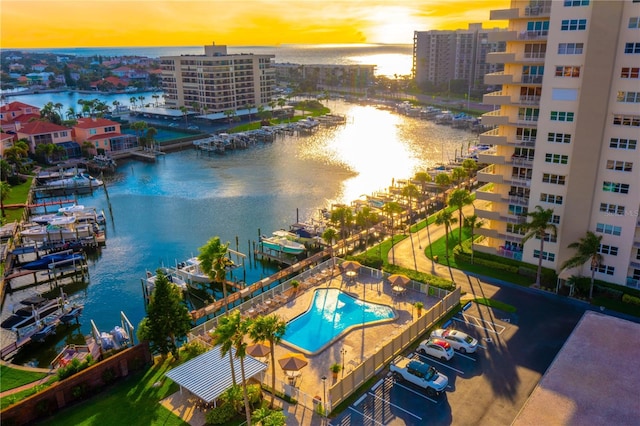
x: 194, y: 348
x: 610, y: 293
x: 79, y: 391
x: 631, y: 300
x: 220, y: 414
x: 108, y: 376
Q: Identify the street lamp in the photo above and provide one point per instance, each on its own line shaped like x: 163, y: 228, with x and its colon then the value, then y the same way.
x: 343, y: 352
x: 324, y: 395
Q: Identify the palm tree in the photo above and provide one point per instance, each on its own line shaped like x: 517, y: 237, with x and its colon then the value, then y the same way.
x: 342, y: 216
x: 329, y: 237
x: 588, y: 250
x: 214, y: 261
x: 270, y: 328
x: 411, y: 192
x: 392, y: 208
x: 155, y: 97
x: 472, y: 222
x: 458, y: 199
x: 229, y: 113
x: 132, y: 100
x: 229, y: 334
x: 539, y: 227
x: 445, y: 217
x: 5, y: 190
x: 141, y: 99
x: 70, y: 114
x: 282, y: 102
x: 443, y: 180
x: 184, y: 111
x: 469, y: 166
x: 151, y: 135
x: 365, y: 218
x: 458, y: 174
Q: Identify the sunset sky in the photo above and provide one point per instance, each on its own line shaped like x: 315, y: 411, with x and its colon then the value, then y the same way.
x: 98, y: 23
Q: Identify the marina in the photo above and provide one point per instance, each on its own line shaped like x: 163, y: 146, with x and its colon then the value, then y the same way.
x: 160, y: 213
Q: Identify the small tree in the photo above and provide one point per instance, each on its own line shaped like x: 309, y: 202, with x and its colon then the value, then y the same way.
x: 588, y: 250
x: 270, y: 328
x: 458, y: 199
x: 539, y: 227
x: 167, y: 317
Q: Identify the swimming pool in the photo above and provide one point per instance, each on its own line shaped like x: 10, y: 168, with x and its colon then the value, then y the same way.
x: 331, y: 314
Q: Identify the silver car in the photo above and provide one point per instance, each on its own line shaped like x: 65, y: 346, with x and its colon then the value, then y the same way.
x: 460, y: 341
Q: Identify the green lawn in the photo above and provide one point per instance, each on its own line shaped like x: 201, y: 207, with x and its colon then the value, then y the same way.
x: 13, y: 377
x: 17, y: 195
x: 132, y: 402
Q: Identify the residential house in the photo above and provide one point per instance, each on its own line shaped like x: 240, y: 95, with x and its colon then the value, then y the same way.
x: 17, y: 112
x: 44, y: 132
x: 6, y: 141
x: 105, y: 135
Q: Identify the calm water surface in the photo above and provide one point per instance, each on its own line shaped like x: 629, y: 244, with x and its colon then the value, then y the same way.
x: 163, y: 212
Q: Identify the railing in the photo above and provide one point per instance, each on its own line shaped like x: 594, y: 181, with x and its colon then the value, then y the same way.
x: 517, y: 255
x: 530, y: 100
x: 533, y: 35
x: 531, y: 79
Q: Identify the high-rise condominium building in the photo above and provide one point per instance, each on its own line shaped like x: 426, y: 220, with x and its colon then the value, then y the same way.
x: 442, y: 56
x: 216, y: 81
x: 567, y: 133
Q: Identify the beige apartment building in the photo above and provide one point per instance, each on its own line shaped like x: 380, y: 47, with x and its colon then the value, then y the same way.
x: 567, y: 132
x: 216, y: 81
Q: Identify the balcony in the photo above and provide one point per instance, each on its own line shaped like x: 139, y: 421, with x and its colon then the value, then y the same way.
x: 495, y: 118
x: 510, y: 254
x: 490, y: 157
x: 528, y: 100
x: 502, y: 36
x: 533, y: 35
x: 531, y: 79
x: 488, y: 175
x: 487, y: 232
x: 496, y: 98
x: 517, y: 201
x: 500, y: 57
x: 487, y: 214
x: 492, y: 137
x: 486, y: 194
x: 498, y: 78
x: 504, y: 14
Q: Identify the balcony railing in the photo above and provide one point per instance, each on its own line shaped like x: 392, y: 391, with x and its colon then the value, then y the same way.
x: 529, y: 100
x: 510, y: 254
x: 531, y: 79
x: 533, y: 35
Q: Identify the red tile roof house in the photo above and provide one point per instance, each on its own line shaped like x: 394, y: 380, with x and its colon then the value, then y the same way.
x: 43, y: 132
x: 6, y: 141
x: 16, y: 112
x: 105, y: 135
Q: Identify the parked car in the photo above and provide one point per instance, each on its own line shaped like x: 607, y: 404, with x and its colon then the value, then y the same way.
x: 193, y: 127
x: 457, y: 339
x: 420, y: 374
x: 437, y: 348
x: 173, y: 124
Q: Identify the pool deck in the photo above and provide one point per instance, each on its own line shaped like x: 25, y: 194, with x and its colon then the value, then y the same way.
x: 360, y: 342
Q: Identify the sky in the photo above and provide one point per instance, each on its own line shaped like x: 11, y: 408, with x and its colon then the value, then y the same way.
x: 107, y: 23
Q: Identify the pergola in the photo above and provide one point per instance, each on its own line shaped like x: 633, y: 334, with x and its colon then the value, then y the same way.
x: 208, y: 375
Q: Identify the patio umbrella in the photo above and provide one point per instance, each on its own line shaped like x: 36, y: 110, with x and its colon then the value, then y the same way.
x: 293, y: 362
x: 259, y: 350
x: 398, y: 279
x: 350, y: 265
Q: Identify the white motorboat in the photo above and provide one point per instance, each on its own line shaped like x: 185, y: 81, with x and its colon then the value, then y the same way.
x: 67, y: 232
x: 190, y: 271
x: 282, y: 243
x: 171, y: 276
x: 74, y: 208
x: 80, y: 180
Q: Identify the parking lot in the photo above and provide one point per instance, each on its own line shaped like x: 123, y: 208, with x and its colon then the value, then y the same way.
x: 486, y: 387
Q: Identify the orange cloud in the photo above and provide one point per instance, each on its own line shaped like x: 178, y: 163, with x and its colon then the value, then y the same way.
x: 82, y: 23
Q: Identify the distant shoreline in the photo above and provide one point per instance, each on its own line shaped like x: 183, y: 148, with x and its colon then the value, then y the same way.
x: 83, y: 92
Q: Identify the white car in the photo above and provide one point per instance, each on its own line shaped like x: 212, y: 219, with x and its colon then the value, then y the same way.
x: 437, y: 348
x: 457, y: 339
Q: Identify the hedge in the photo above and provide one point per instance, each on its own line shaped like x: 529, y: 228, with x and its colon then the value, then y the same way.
x: 631, y: 300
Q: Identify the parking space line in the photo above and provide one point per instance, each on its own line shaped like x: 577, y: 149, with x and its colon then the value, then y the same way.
x: 376, y: 385
x: 366, y: 416
x: 394, y: 405
x: 417, y: 393
x: 441, y: 363
x: 475, y: 324
x: 466, y: 356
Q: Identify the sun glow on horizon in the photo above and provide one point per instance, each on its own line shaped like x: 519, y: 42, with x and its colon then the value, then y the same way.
x: 100, y: 23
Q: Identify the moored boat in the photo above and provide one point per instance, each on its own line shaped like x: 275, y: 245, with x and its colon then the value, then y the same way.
x: 282, y: 244
x: 80, y: 180
x: 56, y: 259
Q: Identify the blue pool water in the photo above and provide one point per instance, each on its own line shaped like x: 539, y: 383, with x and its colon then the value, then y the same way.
x: 331, y: 314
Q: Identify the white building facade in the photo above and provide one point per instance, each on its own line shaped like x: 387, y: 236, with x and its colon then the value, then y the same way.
x: 567, y: 131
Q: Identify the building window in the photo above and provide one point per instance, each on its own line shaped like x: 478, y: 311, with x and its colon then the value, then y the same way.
x: 535, y: 51
x: 554, y: 179
x: 630, y: 72
x: 555, y: 219
x: 573, y: 24
x: 626, y: 120
x: 605, y: 269
x: 92, y: 131
x: 515, y: 229
x: 634, y: 22
x: 619, y: 166
x: 618, y: 143
x: 632, y: 48
x: 528, y: 114
x: 567, y: 71
x: 63, y: 134
x: 551, y: 198
x: 561, y: 116
x: 526, y: 135
x: 571, y: 3
x: 612, y: 209
x: 629, y: 97
x: 570, y: 48
x: 608, y: 229
x: 110, y: 129
x: 616, y: 187
x: 545, y: 255
x: 55, y: 135
x: 538, y: 27
x: 607, y: 249
x: 556, y: 158
x: 559, y: 137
